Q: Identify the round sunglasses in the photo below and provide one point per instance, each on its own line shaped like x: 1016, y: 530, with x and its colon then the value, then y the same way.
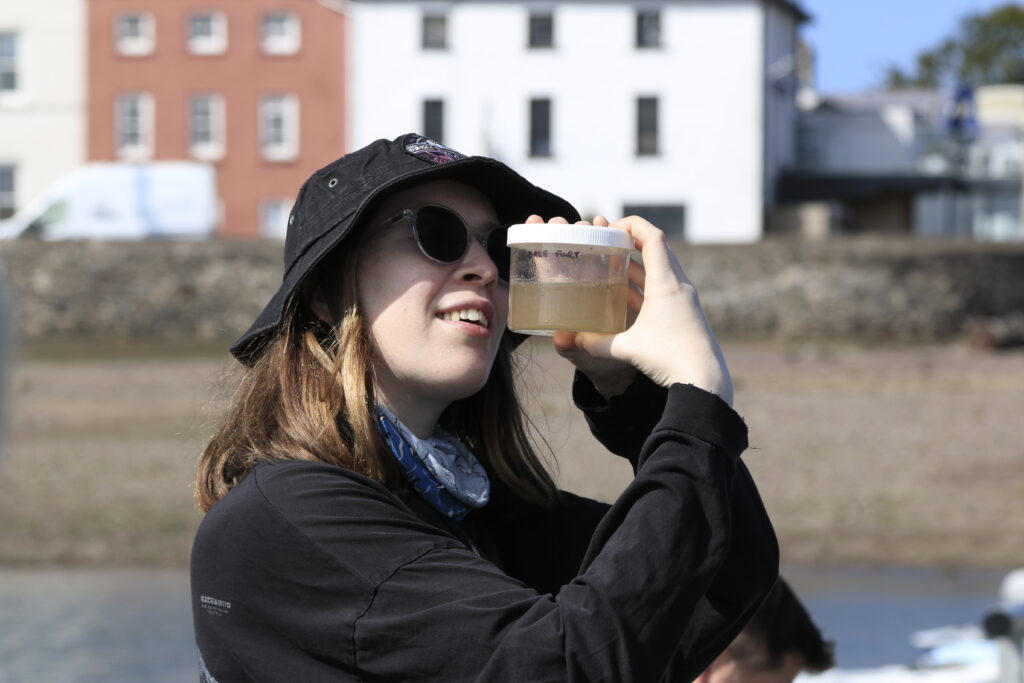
x: 443, y: 236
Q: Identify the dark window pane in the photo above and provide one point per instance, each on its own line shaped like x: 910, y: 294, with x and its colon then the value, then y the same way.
x: 275, y: 26
x: 7, y: 45
x: 646, y: 126
x: 433, y: 119
x: 129, y: 26
x: 6, y: 191
x: 8, y: 62
x: 435, y: 32
x: 648, y: 28
x: 201, y: 25
x: 540, y: 127
x: 669, y: 218
x: 273, y: 116
x: 542, y: 30
x: 129, y: 121
x: 203, y: 120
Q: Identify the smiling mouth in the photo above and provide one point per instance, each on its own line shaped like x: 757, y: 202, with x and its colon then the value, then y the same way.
x: 468, y: 315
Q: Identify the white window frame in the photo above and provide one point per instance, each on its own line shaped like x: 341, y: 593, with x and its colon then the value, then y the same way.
x: 214, y: 44
x: 287, y: 147
x: 135, y: 46
x: 272, y: 208
x: 9, y: 199
x: 142, y: 149
x: 212, y: 149
x: 287, y: 43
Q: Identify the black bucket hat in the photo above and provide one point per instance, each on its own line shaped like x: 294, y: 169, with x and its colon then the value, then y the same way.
x: 337, y: 197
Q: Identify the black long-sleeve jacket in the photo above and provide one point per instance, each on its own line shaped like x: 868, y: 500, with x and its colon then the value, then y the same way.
x: 309, y: 572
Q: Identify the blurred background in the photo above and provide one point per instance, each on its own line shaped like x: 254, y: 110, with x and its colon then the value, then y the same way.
x: 842, y: 181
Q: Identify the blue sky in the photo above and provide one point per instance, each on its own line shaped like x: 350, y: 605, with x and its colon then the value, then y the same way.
x: 854, y: 40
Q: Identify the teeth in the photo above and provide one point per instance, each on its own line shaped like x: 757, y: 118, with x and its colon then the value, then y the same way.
x: 468, y: 314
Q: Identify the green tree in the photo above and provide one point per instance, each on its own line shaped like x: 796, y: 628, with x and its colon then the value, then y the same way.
x: 986, y: 48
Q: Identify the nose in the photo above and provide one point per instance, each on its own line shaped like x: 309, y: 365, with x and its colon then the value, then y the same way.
x: 477, y: 264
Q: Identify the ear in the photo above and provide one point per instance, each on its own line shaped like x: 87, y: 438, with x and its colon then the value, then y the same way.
x: 708, y: 675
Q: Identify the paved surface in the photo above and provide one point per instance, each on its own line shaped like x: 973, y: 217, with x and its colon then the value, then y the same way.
x: 892, y: 455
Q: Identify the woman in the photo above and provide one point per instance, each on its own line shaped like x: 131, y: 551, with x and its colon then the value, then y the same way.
x: 374, y: 509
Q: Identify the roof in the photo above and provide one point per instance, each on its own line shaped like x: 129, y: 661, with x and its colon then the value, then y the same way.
x: 923, y: 101
x: 793, y: 6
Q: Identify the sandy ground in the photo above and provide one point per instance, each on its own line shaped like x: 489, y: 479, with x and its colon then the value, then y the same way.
x: 890, y: 455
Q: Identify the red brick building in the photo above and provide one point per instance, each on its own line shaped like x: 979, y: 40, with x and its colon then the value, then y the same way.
x: 255, y: 87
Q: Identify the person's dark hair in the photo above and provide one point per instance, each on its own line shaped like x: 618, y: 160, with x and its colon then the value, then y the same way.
x: 782, y: 626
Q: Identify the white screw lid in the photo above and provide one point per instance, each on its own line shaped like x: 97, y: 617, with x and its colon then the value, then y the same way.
x: 560, y: 233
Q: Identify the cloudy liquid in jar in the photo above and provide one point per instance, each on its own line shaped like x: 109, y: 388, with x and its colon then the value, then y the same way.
x: 544, y: 307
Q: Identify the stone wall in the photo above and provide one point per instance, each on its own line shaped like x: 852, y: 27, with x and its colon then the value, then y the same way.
x: 205, y: 292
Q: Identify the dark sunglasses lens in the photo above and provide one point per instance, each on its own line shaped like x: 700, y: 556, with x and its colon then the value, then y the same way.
x: 441, y: 233
x: 498, y: 250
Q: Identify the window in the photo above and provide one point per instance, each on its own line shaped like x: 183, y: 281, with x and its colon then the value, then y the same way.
x: 540, y: 127
x: 279, y: 127
x: 133, y: 126
x: 43, y: 225
x: 435, y: 31
x: 133, y: 34
x: 280, y: 33
x: 648, y: 28
x: 8, y: 62
x: 7, y: 197
x: 433, y: 119
x: 542, y: 29
x: 646, y: 126
x: 207, y: 33
x: 670, y: 218
x: 206, y: 126
x: 274, y: 217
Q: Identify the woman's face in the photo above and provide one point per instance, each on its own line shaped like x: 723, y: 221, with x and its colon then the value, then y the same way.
x: 421, y: 355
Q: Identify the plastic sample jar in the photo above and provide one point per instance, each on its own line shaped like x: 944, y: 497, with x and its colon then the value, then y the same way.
x: 568, y: 277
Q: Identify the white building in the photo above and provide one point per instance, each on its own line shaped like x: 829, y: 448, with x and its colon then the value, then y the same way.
x: 681, y: 110
x: 42, y: 96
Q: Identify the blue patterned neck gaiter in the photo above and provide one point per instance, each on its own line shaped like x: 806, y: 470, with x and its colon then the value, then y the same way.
x: 440, y: 468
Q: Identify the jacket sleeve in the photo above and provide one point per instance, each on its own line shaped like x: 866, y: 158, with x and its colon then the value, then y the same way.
x: 649, y: 579
x: 619, y: 424
x: 622, y: 423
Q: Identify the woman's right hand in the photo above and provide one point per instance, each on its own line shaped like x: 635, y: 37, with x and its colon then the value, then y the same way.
x: 671, y: 340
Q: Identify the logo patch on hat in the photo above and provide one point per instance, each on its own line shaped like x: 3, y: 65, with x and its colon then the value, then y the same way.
x: 433, y: 152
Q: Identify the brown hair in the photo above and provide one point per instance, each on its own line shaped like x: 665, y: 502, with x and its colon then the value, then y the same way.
x: 310, y: 396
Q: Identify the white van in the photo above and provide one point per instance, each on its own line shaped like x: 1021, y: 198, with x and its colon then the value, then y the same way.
x: 120, y: 201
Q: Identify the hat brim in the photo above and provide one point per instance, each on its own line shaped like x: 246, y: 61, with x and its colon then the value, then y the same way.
x: 514, y: 198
